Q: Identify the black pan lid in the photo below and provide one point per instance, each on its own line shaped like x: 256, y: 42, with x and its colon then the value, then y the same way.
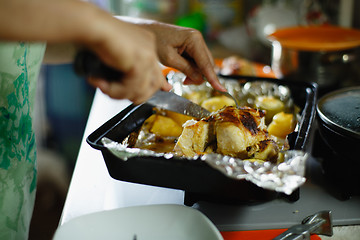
x: 340, y: 110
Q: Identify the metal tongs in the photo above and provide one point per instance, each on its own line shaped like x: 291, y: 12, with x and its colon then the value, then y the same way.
x: 319, y: 223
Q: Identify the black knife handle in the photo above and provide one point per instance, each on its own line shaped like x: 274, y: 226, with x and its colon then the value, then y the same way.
x: 88, y: 64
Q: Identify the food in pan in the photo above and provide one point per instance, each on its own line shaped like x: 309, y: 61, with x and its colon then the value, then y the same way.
x: 210, y: 101
x: 257, y: 131
x: 216, y: 103
x: 236, y: 132
x: 282, y: 124
x: 270, y: 105
x: 164, y: 126
x: 159, y: 132
x: 166, y: 123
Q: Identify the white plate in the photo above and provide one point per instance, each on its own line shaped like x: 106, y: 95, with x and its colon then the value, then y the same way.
x: 165, y: 221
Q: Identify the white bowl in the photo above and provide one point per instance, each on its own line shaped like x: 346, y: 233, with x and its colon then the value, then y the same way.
x: 165, y: 221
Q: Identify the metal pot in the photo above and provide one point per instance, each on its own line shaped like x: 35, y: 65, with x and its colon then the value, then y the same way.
x: 338, y: 141
x: 325, y: 55
x: 326, y: 68
x: 339, y: 122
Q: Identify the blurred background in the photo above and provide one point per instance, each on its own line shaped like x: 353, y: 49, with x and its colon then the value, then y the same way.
x: 230, y: 27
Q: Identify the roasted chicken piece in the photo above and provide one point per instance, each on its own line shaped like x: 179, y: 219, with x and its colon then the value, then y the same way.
x: 236, y: 132
x: 194, y: 138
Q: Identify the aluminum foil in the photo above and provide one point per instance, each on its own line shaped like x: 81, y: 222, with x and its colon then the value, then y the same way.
x: 245, y: 93
x: 284, y: 177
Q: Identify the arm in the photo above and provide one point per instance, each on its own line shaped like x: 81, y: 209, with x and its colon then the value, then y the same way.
x: 181, y: 48
x: 132, y: 47
x: 177, y: 47
x: 122, y: 45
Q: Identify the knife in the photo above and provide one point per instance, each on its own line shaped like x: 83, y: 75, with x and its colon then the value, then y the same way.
x: 175, y: 103
x: 87, y: 64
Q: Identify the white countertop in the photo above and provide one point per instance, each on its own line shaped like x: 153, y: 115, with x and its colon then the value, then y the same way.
x: 93, y: 190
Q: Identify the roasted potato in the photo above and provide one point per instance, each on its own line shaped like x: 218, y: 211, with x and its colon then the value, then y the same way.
x: 216, y: 103
x: 282, y: 124
x: 270, y: 105
x: 165, y: 126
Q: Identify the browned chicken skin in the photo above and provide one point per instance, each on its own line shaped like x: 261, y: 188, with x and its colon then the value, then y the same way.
x: 236, y: 132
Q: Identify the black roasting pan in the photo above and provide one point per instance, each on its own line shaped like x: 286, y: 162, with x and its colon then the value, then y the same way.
x: 195, y: 177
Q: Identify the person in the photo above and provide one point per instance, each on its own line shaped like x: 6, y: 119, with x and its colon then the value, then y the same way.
x: 135, y: 47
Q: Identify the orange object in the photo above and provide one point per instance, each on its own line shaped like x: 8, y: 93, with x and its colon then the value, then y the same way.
x: 167, y: 70
x: 258, y: 235
x: 246, y: 67
x: 317, y: 38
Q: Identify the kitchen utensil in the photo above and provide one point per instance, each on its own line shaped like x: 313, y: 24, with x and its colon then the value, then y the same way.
x: 173, y: 102
x: 326, y: 55
x: 88, y: 64
x: 227, y: 94
x: 319, y: 223
x: 202, y: 181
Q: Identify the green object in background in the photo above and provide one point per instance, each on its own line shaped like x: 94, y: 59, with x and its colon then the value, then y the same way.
x: 194, y: 20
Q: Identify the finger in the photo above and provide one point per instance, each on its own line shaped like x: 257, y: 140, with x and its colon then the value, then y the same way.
x: 100, y: 83
x: 138, y: 85
x: 165, y: 86
x: 144, y: 84
x: 205, y: 64
x: 189, y: 81
x: 211, y: 77
x: 114, y: 89
x: 153, y: 84
x: 185, y: 65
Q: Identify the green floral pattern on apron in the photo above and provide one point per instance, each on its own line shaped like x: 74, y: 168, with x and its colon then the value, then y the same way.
x: 19, y: 68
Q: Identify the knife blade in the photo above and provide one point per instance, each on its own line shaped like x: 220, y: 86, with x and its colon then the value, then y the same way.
x: 173, y: 102
x: 86, y: 63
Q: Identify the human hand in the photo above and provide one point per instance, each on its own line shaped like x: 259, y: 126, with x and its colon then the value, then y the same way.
x: 131, y: 50
x: 184, y: 49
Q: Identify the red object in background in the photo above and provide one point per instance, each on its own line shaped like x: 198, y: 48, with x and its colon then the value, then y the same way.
x: 258, y: 235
